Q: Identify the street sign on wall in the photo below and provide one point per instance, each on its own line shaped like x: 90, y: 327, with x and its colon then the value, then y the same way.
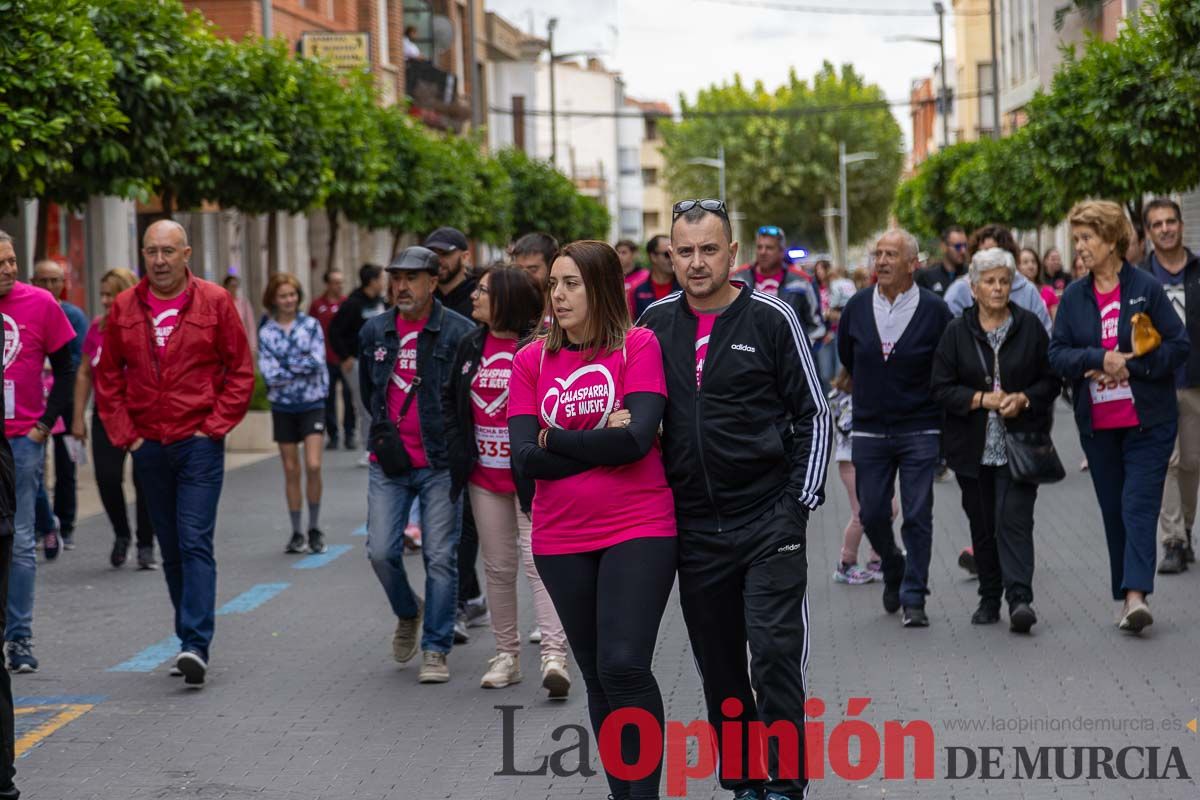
x: 342, y: 51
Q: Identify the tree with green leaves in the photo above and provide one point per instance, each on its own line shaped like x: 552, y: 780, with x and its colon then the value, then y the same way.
x: 394, y: 205
x: 547, y: 201
x: 781, y: 151
x: 923, y: 202
x: 1004, y: 181
x: 490, y: 202
x: 155, y: 46
x: 55, y: 94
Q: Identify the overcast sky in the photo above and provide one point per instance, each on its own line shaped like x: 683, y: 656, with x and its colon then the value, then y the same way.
x: 665, y: 47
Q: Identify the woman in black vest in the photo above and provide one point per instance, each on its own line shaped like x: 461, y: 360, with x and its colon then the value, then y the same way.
x: 992, y: 375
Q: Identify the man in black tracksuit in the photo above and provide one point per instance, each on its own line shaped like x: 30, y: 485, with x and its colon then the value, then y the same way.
x: 746, y: 437
x: 365, y: 302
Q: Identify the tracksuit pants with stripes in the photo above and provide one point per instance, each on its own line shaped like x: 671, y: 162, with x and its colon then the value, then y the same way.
x: 747, y: 586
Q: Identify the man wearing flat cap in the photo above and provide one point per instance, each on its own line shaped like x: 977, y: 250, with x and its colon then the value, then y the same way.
x: 455, y: 281
x: 403, y: 358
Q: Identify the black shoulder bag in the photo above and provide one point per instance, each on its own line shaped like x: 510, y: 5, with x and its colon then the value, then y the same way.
x: 1031, y: 455
x: 385, y: 437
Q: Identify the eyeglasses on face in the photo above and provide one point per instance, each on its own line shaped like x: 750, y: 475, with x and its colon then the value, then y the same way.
x: 684, y: 206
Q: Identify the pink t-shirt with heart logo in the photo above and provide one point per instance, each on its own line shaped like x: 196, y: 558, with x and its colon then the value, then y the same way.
x: 34, y: 327
x: 604, y: 505
x: 489, y: 409
x: 401, y: 384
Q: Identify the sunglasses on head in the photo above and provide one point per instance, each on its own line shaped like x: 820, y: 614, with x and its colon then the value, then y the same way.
x: 770, y: 230
x: 959, y: 246
x: 684, y: 206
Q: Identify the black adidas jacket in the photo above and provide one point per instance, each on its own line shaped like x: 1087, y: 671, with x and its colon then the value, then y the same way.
x: 757, y: 427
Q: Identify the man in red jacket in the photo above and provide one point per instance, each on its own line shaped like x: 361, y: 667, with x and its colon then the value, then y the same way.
x: 174, y: 378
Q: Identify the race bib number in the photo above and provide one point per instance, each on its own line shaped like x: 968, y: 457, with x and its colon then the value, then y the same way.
x: 495, y: 452
x: 10, y: 399
x: 1102, y: 395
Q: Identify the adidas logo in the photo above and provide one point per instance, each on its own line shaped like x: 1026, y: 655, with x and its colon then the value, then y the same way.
x: 745, y: 348
x: 787, y: 548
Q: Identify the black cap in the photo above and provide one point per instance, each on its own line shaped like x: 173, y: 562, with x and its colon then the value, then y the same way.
x: 415, y: 258
x: 447, y: 239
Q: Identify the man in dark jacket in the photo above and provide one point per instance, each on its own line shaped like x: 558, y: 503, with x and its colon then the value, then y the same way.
x: 938, y: 276
x: 404, y: 357
x: 771, y: 273
x: 1178, y: 270
x: 658, y: 282
x: 365, y: 302
x: 456, y: 281
x: 746, y: 437
x: 886, y: 340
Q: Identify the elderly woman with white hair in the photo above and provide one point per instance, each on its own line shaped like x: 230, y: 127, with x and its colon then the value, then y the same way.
x: 992, y: 375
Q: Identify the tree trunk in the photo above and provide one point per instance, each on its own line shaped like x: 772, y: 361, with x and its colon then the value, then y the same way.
x: 395, y: 241
x: 42, y: 232
x: 272, y: 243
x: 332, y: 214
x: 168, y: 204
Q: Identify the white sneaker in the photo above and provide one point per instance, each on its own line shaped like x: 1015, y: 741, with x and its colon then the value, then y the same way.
x: 364, y: 460
x: 504, y: 669
x: 535, y: 636
x: 555, y: 679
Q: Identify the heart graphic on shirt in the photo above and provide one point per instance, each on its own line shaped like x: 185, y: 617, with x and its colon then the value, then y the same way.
x: 491, y: 408
x: 12, y: 340
x: 579, y: 388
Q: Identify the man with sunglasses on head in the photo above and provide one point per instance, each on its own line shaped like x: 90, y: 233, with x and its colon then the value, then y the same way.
x: 659, y: 282
x: 769, y: 273
x: 745, y: 441
x: 938, y: 276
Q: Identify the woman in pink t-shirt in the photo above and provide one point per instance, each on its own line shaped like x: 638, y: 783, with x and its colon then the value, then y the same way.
x: 508, y: 304
x: 1031, y: 267
x: 603, y: 515
x: 109, y: 459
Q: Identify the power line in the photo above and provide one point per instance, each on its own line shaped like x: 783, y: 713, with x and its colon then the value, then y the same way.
x: 744, y: 112
x: 774, y: 5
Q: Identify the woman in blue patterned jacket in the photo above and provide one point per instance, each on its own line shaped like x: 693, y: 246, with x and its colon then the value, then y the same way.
x: 291, y: 358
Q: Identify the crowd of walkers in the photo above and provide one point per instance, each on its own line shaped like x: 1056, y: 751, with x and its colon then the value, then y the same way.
x: 605, y: 429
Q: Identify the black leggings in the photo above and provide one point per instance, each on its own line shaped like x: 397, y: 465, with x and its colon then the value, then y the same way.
x: 610, y: 602
x: 110, y: 475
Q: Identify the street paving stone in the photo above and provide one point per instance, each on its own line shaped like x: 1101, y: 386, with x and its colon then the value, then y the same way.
x: 305, y: 703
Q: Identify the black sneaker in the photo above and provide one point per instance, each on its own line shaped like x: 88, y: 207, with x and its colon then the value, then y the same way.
x: 20, y: 656
x: 193, y: 668
x: 891, y: 596
x: 915, y: 617
x: 146, y: 558
x: 52, y: 544
x: 988, y: 613
x: 1021, y: 617
x: 1174, y: 559
x: 296, y: 544
x: 316, y: 541
x: 119, y: 554
x: 966, y: 560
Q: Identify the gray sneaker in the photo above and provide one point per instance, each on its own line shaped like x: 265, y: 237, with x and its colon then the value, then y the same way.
x: 476, y: 613
x: 433, y: 667
x: 408, y: 633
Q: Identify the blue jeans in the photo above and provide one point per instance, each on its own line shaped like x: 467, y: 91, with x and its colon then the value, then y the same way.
x: 876, y: 462
x: 29, y: 459
x: 182, y: 482
x: 827, y: 362
x: 1128, y: 468
x: 388, y: 504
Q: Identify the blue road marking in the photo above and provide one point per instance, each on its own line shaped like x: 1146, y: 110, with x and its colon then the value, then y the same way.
x: 252, y: 598
x: 361, y: 530
x: 321, y: 559
x: 59, y: 699
x: 149, y: 659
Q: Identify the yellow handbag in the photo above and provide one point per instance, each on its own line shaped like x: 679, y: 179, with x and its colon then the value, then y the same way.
x: 1145, y: 337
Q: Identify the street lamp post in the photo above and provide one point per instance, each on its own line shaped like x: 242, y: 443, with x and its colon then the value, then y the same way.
x: 717, y: 163
x: 843, y: 161
x: 940, y: 9
x: 550, y: 26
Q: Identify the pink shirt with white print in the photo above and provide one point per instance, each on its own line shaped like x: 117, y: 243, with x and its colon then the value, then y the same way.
x: 401, y: 384
x: 1111, y: 408
x: 164, y: 317
x: 34, y: 327
x: 604, y: 505
x: 489, y: 408
x: 704, y: 326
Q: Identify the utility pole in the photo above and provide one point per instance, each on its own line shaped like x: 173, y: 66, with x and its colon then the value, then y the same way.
x: 941, y: 12
x: 266, y: 15
x: 717, y: 163
x: 476, y: 89
x: 843, y: 161
x: 995, y: 72
x: 550, y: 26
